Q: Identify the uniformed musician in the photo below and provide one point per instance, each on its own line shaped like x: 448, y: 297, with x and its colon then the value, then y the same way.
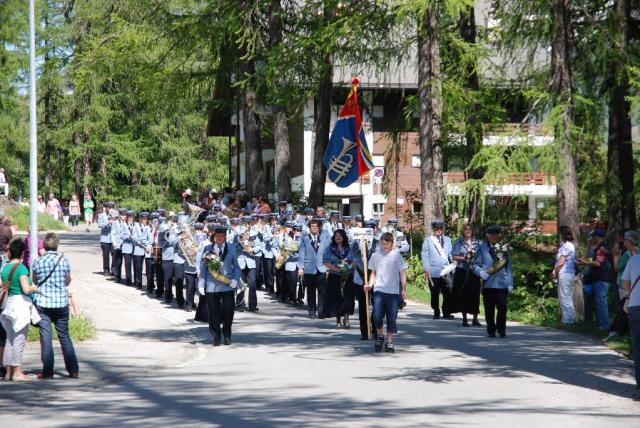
x: 248, y: 261
x: 140, y: 236
x: 152, y: 240
x: 104, y: 223
x: 219, y: 295
x: 116, y: 245
x: 167, y: 239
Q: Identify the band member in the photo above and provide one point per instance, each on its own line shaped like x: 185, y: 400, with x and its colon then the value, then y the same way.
x: 116, y: 245
x: 190, y: 271
x: 308, y: 218
x: 389, y: 282
x: 140, y: 236
x: 312, y: 269
x: 497, y: 282
x: 436, y: 255
x: 466, y: 284
x: 282, y: 211
x: 157, y: 260
x: 219, y: 295
x: 346, y: 225
x: 248, y: 261
x: 264, y: 236
x: 400, y: 242
x: 268, y: 257
x: 179, y: 261
x: 126, y: 234
x: 359, y: 221
x: 104, y: 223
x: 167, y: 239
x: 290, y: 242
x: 338, y: 260
x: 358, y: 284
x: 152, y: 241
x: 334, y: 221
x: 297, y: 236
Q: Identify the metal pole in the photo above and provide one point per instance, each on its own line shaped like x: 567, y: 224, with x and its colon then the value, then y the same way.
x: 33, y: 137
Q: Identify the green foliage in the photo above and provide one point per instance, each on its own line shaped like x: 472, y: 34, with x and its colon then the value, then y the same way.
x: 20, y: 219
x: 81, y: 328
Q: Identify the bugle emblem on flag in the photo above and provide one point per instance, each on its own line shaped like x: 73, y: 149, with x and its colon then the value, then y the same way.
x: 347, y: 156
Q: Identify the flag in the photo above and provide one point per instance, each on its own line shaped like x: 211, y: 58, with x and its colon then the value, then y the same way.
x: 347, y: 156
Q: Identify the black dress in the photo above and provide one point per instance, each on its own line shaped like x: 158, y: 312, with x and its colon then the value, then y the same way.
x: 466, y: 284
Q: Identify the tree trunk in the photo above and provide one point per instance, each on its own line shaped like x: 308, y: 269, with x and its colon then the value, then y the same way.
x: 430, y: 92
x: 473, y: 126
x: 562, y: 86
x: 323, y: 123
x: 254, y: 167
x: 86, y: 166
x: 280, y: 120
x: 620, y: 168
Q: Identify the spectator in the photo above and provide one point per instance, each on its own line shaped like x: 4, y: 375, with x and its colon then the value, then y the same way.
x: 3, y: 182
x: 564, y: 273
x: 88, y: 206
x: 74, y: 210
x: 627, y: 247
x: 65, y: 213
x: 52, y: 274
x: 19, y: 311
x: 53, y: 207
x: 27, y: 250
x: 630, y: 279
x: 599, y: 265
x: 42, y: 208
x: 5, y: 237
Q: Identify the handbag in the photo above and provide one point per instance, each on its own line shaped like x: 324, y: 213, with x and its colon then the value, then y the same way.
x: 625, y: 307
x: 4, y: 291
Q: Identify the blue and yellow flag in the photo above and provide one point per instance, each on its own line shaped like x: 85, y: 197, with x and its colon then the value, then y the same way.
x: 347, y: 156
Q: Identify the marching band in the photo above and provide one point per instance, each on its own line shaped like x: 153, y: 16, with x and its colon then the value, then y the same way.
x: 217, y: 259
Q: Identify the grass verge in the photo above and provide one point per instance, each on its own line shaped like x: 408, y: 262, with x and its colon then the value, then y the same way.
x: 20, y: 218
x: 80, y: 328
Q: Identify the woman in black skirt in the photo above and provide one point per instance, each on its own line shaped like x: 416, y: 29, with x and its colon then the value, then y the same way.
x: 338, y: 259
x: 466, y: 285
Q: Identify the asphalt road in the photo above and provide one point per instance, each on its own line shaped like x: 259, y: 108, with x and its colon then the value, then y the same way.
x: 151, y: 365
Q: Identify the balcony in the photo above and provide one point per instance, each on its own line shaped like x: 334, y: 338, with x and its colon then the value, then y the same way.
x: 534, y: 184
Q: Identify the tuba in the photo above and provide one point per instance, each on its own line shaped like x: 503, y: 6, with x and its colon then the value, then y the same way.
x: 189, y: 246
x: 243, y: 238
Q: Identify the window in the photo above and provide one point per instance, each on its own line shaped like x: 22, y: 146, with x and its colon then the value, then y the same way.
x: 378, y: 111
x: 416, y: 207
x: 378, y: 209
x: 415, y: 161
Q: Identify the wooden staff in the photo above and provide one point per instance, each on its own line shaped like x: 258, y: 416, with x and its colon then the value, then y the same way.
x: 366, y: 281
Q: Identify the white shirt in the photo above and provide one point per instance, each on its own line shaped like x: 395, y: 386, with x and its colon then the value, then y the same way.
x: 631, y: 273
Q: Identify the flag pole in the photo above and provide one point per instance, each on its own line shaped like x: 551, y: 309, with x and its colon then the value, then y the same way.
x: 366, y: 282
x: 33, y: 138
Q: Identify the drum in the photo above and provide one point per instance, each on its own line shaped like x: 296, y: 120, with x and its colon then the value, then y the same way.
x: 156, y: 253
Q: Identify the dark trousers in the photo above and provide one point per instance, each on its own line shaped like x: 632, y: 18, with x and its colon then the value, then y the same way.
x: 178, y: 280
x: 202, y: 312
x: 332, y: 290
x: 280, y: 284
x: 495, y: 298
x: 345, y: 299
x: 292, y: 284
x: 157, y: 268
x: 220, y: 307
x: 267, y: 273
x: 322, y: 295
x: 60, y: 318
x: 116, y: 263
x: 190, y: 285
x: 128, y: 263
x: 311, y: 282
x: 167, y: 276
x: 250, y: 278
x: 138, y: 262
x: 259, y: 271
x: 149, y: 272
x: 106, y: 252
x: 439, y: 286
x: 362, y: 309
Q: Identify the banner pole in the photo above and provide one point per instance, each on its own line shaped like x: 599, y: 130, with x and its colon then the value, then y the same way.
x: 366, y: 282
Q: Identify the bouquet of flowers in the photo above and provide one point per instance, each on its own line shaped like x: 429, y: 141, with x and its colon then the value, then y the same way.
x: 500, y: 254
x: 214, y: 265
x: 345, y: 271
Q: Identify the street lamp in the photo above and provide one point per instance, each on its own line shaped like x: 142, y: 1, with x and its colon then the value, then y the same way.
x: 33, y: 137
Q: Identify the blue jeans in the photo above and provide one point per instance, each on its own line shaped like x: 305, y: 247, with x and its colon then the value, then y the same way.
x: 634, y: 323
x: 385, y: 304
x: 602, y: 310
x: 60, y: 317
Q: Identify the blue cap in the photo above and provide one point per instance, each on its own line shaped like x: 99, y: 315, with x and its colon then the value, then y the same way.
x: 144, y: 214
x: 369, y: 223
x: 346, y: 218
x: 359, y: 217
x: 245, y: 219
x: 309, y: 211
x: 110, y: 204
x: 211, y: 218
x: 154, y: 216
x: 493, y: 229
x: 439, y: 223
x: 334, y: 212
x: 289, y: 224
x: 254, y: 217
x: 234, y: 221
x: 297, y: 226
x: 217, y: 207
x: 220, y: 229
x: 130, y: 213
x: 263, y: 216
x: 282, y: 203
x: 198, y: 226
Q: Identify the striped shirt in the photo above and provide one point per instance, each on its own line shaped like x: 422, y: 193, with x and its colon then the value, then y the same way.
x: 53, y: 293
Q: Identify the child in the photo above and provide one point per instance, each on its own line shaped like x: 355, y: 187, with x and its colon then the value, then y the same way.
x: 388, y: 271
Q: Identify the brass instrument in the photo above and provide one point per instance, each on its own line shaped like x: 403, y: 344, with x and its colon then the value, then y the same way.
x: 243, y: 239
x: 194, y: 213
x: 189, y: 246
x: 291, y: 246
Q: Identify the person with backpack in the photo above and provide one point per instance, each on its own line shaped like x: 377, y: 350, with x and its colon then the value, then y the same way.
x: 599, y: 263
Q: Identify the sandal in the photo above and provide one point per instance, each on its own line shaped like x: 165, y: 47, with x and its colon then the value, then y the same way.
x: 389, y: 348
